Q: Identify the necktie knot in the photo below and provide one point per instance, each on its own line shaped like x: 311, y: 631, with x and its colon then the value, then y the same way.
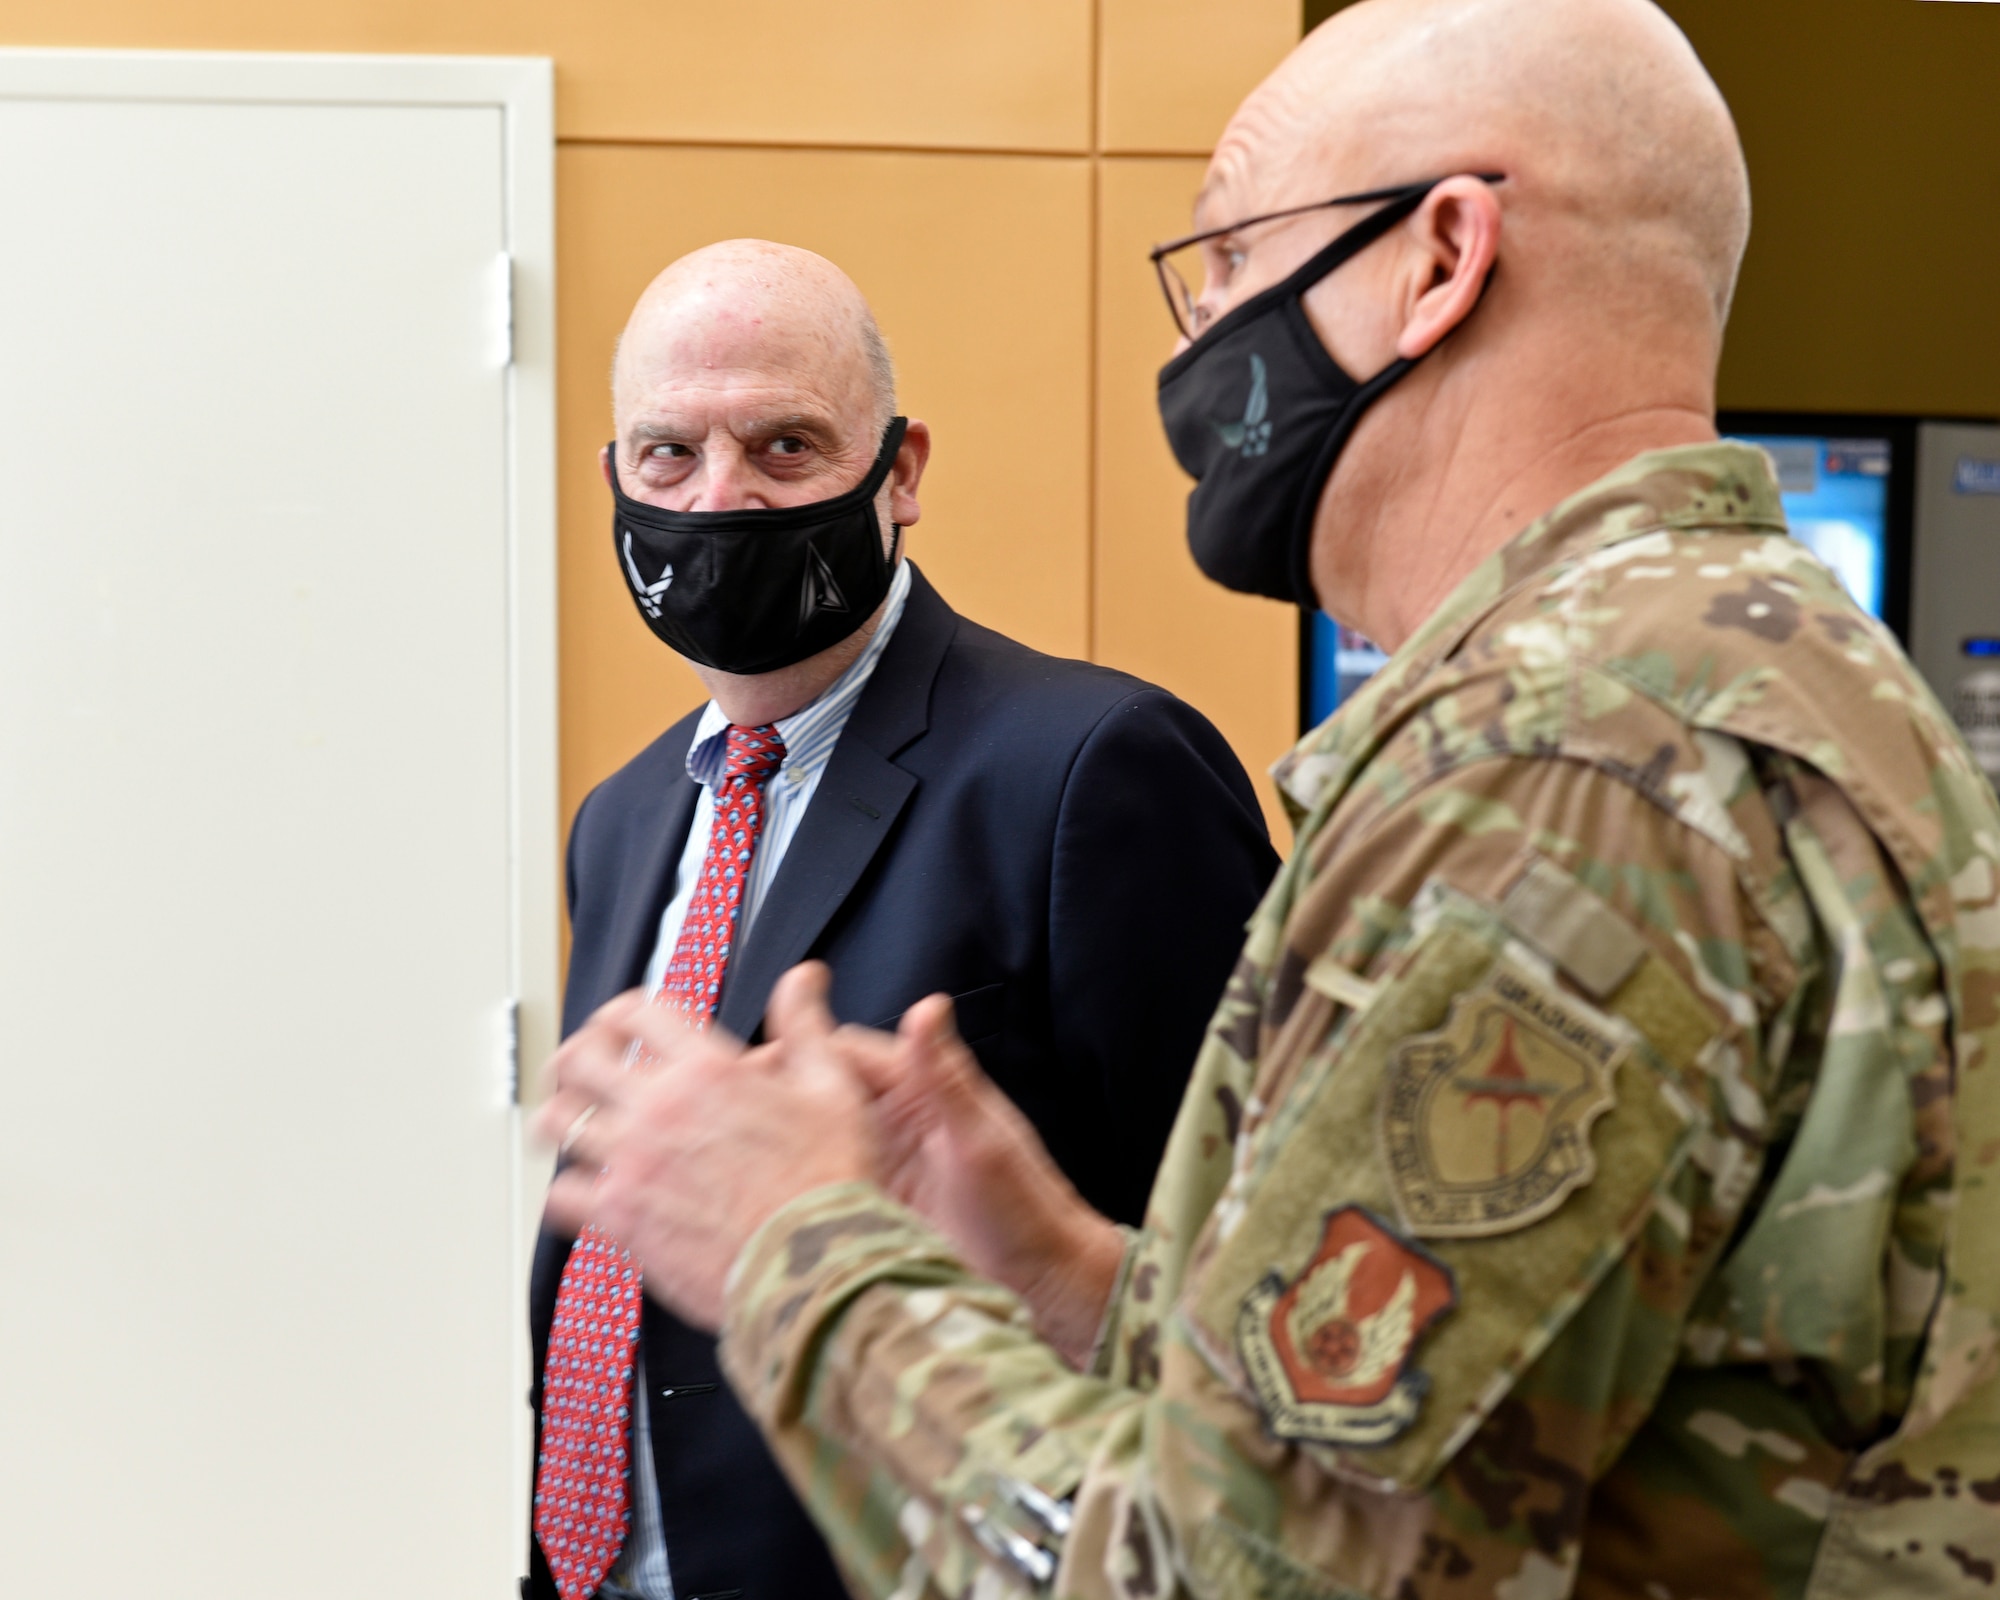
x: 753, y: 753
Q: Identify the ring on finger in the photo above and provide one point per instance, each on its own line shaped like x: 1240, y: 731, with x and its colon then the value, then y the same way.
x: 575, y: 1130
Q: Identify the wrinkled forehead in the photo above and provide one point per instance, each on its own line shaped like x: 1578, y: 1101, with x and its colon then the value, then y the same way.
x: 722, y: 346
x: 1290, y: 143
x: 1225, y: 189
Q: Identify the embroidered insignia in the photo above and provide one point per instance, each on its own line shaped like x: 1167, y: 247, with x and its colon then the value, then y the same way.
x: 1328, y: 1353
x: 1486, y: 1122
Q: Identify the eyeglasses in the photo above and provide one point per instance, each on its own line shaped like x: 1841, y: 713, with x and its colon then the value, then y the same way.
x: 1179, y: 261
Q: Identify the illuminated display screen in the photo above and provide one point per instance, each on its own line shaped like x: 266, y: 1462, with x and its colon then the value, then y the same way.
x: 1837, y: 501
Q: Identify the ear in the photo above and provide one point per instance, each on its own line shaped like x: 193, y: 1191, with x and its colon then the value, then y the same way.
x: 604, y: 465
x: 908, y: 472
x: 1457, y: 230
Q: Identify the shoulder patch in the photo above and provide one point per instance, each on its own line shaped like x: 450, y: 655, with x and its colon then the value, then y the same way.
x: 1328, y: 1353
x: 1486, y: 1122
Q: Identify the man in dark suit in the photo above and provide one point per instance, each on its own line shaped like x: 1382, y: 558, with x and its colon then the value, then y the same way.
x: 879, y: 783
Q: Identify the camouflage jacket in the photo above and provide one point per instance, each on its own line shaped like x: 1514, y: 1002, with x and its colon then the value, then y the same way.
x: 1582, y: 1188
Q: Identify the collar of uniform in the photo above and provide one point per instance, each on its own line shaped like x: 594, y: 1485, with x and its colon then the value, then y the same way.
x: 1723, y: 486
x: 809, y: 734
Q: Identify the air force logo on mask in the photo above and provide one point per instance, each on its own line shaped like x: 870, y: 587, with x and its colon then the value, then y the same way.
x: 1252, y: 436
x: 820, y: 591
x: 647, y: 594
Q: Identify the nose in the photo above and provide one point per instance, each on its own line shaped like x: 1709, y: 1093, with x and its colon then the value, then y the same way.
x: 1215, y: 299
x: 727, y: 481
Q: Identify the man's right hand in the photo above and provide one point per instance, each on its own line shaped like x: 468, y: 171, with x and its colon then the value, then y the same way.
x: 954, y: 1149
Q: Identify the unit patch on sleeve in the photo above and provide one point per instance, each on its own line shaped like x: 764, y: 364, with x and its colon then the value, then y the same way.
x: 1486, y: 1122
x: 1328, y: 1353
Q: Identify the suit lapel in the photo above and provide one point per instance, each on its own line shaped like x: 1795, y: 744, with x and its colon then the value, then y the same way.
x: 853, y: 811
x: 649, y: 883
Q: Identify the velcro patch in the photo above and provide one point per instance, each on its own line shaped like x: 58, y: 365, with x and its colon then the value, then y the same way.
x: 1486, y: 1122
x: 1573, y: 928
x: 1318, y: 1155
x: 1329, y: 1352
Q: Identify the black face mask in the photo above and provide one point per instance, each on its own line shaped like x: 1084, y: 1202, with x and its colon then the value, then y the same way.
x: 753, y: 591
x: 1257, y: 413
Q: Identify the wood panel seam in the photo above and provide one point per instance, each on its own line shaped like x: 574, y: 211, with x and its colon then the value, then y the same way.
x: 763, y: 145
x: 1093, y: 375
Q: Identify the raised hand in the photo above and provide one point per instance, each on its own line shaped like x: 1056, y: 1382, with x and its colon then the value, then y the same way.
x: 950, y: 1145
x: 681, y: 1148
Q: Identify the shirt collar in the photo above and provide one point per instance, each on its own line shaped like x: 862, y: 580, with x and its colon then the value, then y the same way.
x: 810, y: 733
x: 1724, y: 487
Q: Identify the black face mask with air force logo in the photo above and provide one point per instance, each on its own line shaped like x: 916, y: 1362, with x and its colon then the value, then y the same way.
x: 756, y: 590
x: 1257, y: 413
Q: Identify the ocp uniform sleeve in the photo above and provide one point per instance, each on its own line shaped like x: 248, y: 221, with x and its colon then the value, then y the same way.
x: 1464, y: 1142
x: 853, y: 1327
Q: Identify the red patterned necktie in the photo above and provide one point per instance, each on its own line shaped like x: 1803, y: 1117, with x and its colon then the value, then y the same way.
x: 693, y: 979
x: 582, y: 1503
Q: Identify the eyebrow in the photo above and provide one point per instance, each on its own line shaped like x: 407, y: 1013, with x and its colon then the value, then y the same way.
x: 816, y: 424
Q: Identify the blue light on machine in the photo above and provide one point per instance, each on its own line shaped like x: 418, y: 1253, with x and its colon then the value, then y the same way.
x: 1982, y: 647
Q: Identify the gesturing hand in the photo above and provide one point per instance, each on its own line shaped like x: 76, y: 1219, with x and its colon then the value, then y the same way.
x: 682, y: 1151
x: 683, y: 1147
x: 951, y: 1146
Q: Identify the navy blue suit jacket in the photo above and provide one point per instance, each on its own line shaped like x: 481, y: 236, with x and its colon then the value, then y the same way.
x: 1069, y: 852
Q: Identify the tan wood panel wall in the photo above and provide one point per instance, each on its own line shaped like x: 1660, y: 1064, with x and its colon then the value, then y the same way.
x: 990, y: 171
x: 1234, y: 656
x: 978, y: 74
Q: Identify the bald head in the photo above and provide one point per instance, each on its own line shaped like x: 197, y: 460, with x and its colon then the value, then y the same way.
x: 1624, y: 169
x: 748, y: 302
x: 752, y: 375
x: 1568, y: 316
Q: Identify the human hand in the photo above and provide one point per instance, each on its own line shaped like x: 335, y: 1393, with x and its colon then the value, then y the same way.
x: 681, y: 1152
x: 949, y: 1144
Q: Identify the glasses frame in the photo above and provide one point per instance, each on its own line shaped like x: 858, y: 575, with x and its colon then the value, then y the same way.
x: 1181, y: 304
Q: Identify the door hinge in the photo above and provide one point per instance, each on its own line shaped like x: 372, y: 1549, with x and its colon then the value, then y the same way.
x: 510, y: 1050
x: 501, y: 294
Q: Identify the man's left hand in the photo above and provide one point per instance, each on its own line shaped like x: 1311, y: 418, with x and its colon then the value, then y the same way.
x: 682, y: 1157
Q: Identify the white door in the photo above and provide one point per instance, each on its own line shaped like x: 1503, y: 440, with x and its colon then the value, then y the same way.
x: 276, y: 837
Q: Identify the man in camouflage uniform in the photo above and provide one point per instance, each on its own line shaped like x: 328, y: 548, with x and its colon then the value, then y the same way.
x: 1582, y: 1189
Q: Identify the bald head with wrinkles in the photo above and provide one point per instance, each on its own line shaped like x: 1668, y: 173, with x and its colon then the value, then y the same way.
x: 767, y: 337
x: 1575, y: 308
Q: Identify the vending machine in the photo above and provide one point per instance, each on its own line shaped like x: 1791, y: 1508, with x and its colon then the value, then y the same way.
x: 1905, y: 510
